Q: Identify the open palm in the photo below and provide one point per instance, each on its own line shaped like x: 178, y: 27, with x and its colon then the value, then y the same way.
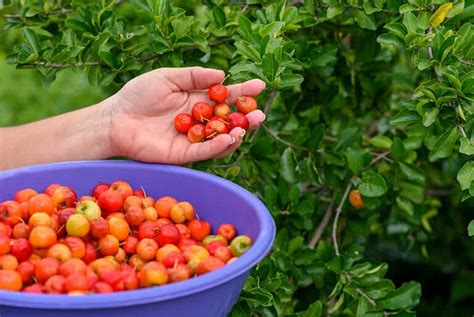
x: 142, y: 123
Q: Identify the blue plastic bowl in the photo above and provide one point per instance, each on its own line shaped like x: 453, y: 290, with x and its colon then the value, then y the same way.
x: 215, y: 199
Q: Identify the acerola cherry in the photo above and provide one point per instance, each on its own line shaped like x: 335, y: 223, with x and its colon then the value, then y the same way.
x: 168, y: 234
x: 42, y: 237
x: 21, y: 230
x: 99, y: 189
x: 51, y: 188
x: 218, y: 92
x: 202, y: 111
x: 40, y: 203
x: 111, y: 201
x: 163, y: 206
x: 64, y: 197
x: 183, y: 122
x: 199, y: 229
x: 196, y: 133
x: 24, y: 195
x: 21, y: 249
x: 209, y: 264
x: 26, y: 270
x: 215, y: 127
x: 237, y: 119
x: 246, y: 104
x: 11, y: 280
x: 222, y: 110
x: 123, y: 188
x: 4, y: 244
x: 227, y: 230
x: 355, y: 199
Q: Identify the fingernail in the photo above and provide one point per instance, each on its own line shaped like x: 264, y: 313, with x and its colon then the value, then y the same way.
x: 264, y: 117
x: 242, y: 134
x: 232, y: 140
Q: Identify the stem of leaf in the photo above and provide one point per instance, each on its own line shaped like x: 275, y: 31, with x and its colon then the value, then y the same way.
x: 336, y: 218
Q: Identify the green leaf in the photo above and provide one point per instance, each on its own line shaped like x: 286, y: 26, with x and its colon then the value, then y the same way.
x: 372, y: 185
x: 219, y: 16
x: 405, y: 117
x: 314, y: 310
x: 182, y: 26
x: 397, y: 151
x: 287, y: 165
x: 355, y: 159
x: 466, y: 175
x: 245, y: 27
x: 290, y: 15
x: 444, y: 145
x: 334, y: 11
x: 288, y: 81
x: 412, y: 172
x: 390, y: 39
x: 470, y: 228
x: 381, y: 141
x: 365, y: 21
x: 467, y: 146
x: 410, y: 21
x: 270, y: 66
x: 32, y: 40
x: 430, y: 116
x: 405, y: 297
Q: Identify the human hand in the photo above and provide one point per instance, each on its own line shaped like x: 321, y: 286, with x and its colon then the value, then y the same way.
x: 142, y: 117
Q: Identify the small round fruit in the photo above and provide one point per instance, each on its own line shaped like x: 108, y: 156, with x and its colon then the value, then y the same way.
x: 26, y: 270
x: 4, y: 244
x: 209, y: 264
x: 196, y: 133
x: 153, y: 273
x: 111, y: 201
x: 246, y: 104
x: 46, y: 268
x: 102, y: 288
x: 132, y: 201
x: 135, y: 216
x: 99, y: 228
x: 227, y: 230
x: 42, y: 237
x: 24, y: 195
x: 10, y: 280
x: 240, y: 245
x: 109, y: 245
x: 180, y: 272
x: 76, y: 245
x: 218, y: 93
x: 168, y: 234
x: 173, y: 258
x: 8, y: 262
x: 99, y: 189
x: 76, y: 282
x: 59, y: 251
x: 77, y: 225
x: 164, y: 251
x: 238, y: 120
x: 64, y: 197
x: 223, y: 253
x: 130, y: 245
x: 40, y: 219
x: 123, y: 188
x: 146, y: 249
x: 119, y: 228
x: 222, y: 110
x: 202, y: 111
x: 210, y: 238
x: 184, y: 231
x: 21, y: 249
x: 215, y: 127
x: 150, y: 213
x: 163, y: 206
x: 40, y: 203
x: 199, y: 229
x: 21, y: 230
x: 11, y: 212
x: 55, y: 285
x: 72, y: 266
x: 183, y: 122
x: 90, y: 209
x: 181, y: 212
x: 51, y: 188
x: 355, y: 199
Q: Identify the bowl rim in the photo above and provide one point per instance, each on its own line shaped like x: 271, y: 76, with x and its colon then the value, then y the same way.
x: 259, y: 250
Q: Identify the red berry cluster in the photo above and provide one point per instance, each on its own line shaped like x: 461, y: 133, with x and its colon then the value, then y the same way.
x: 207, y: 121
x: 117, y: 239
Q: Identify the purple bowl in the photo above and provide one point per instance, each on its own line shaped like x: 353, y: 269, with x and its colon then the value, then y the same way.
x: 215, y: 199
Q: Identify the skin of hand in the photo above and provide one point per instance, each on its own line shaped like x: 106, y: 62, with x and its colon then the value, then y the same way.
x: 136, y: 122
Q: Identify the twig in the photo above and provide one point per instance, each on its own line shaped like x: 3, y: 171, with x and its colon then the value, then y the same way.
x: 438, y: 192
x: 430, y: 48
x: 461, y: 129
x: 295, y: 146
x: 336, y: 218
x: 319, y: 231
x: 367, y: 297
x: 381, y: 156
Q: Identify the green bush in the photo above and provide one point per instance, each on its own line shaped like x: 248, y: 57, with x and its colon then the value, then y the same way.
x: 374, y: 95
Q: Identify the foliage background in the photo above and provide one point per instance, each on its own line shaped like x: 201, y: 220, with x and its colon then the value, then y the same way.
x: 381, y: 96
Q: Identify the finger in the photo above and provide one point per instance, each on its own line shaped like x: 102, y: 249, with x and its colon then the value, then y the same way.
x: 238, y: 134
x: 192, y: 78
x: 255, y: 118
x: 209, y: 149
x: 249, y: 88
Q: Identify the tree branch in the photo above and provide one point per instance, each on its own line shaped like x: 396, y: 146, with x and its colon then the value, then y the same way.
x: 295, y: 146
x: 336, y: 218
x: 319, y: 231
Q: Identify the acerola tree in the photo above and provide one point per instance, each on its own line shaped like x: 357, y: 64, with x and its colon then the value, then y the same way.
x: 371, y: 95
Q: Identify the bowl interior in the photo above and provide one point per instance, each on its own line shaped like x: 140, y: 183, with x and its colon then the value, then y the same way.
x: 215, y: 200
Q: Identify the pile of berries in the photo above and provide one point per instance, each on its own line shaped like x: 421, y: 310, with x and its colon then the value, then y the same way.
x: 117, y: 239
x: 207, y: 121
